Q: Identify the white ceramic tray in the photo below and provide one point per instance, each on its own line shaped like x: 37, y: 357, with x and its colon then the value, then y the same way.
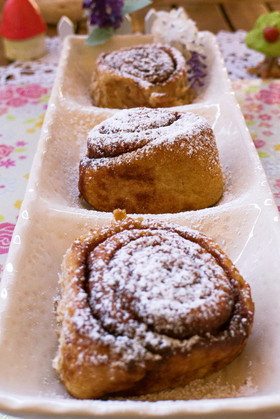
x: 245, y: 223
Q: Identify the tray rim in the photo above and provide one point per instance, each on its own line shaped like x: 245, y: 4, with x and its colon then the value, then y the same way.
x: 18, y: 404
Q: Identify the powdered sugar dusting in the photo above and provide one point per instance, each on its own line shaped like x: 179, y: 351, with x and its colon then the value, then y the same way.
x: 214, y: 387
x: 151, y: 63
x: 147, y: 65
x: 130, y: 129
x: 144, y: 300
x: 155, y: 277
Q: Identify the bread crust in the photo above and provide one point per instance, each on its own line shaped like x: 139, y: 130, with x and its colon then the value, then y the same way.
x: 151, y: 161
x: 112, y: 344
x: 151, y: 75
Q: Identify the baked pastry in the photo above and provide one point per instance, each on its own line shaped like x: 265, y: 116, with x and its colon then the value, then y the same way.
x: 151, y: 161
x: 152, y: 75
x: 147, y: 306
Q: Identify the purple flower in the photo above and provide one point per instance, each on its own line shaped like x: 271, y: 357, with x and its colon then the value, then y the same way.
x: 104, y: 13
x: 197, y: 67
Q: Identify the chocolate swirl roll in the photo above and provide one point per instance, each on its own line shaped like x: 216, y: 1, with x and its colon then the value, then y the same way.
x: 151, y: 161
x: 148, y: 306
x: 152, y: 75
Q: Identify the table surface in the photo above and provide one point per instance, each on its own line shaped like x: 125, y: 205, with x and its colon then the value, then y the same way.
x: 23, y: 105
x: 211, y: 15
x: 259, y: 99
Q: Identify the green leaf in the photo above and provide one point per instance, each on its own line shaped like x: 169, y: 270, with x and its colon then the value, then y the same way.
x: 131, y: 6
x: 99, y: 36
x: 262, y: 154
x: 252, y: 89
x: 29, y: 121
x: 44, y: 99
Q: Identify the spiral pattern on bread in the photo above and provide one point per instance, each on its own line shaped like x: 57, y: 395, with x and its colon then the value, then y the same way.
x: 152, y: 75
x: 148, y: 306
x: 151, y: 161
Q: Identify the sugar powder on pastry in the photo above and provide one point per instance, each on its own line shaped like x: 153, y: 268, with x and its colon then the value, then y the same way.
x: 151, y: 161
x: 152, y: 75
x: 148, y: 306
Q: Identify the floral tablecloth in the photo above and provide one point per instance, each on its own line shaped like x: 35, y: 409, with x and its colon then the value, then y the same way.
x: 24, y: 95
x: 22, y: 110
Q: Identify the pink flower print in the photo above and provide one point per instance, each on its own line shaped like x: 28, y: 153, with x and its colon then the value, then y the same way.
x: 269, y: 97
x: 277, y: 183
x: 16, y: 102
x: 254, y: 107
x: 7, y: 163
x: 237, y: 85
x: 275, y: 87
x: 265, y: 117
x: 264, y: 124
x: 259, y: 143
x: 268, y: 133
x: 248, y: 98
x: 32, y: 91
x: 5, y: 150
x: 248, y: 116
x: 3, y: 111
x: 6, y: 232
x: 21, y: 143
x: 6, y: 94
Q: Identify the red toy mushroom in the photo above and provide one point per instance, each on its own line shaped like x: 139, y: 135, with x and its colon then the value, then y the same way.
x: 23, y: 30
